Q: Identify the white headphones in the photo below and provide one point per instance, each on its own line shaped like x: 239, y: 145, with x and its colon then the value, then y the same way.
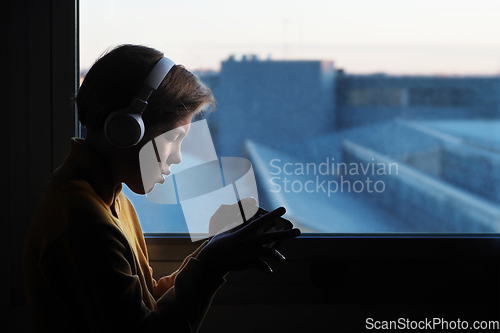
x: 125, y: 128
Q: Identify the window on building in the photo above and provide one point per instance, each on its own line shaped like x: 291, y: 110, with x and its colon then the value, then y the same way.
x: 357, y: 117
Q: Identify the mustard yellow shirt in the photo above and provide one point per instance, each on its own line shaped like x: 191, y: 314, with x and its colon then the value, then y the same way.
x: 86, y: 263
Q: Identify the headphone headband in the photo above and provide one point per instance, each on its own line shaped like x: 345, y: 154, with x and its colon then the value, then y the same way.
x: 159, y: 72
x: 125, y: 128
x: 155, y: 77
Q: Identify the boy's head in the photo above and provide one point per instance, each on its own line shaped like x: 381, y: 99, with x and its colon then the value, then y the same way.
x: 113, y: 82
x: 118, y: 76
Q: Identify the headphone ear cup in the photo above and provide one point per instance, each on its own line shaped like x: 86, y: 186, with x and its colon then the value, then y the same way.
x: 124, y: 129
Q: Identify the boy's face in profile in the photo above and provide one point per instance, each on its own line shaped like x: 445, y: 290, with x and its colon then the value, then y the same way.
x: 168, y: 148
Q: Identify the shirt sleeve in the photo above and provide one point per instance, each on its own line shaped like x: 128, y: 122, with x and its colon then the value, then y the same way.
x: 167, y: 282
x: 106, y: 275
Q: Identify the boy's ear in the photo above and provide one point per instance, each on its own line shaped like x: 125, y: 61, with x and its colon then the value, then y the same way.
x: 124, y: 129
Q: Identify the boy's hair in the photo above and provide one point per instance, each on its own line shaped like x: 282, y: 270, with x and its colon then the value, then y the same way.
x: 118, y: 76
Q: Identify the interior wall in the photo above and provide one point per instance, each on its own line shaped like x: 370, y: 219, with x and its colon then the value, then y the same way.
x: 39, y: 54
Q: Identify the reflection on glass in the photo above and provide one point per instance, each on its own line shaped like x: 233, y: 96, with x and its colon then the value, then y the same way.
x: 356, y: 153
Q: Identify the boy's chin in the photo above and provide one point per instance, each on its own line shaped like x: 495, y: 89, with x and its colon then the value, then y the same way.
x: 138, y: 189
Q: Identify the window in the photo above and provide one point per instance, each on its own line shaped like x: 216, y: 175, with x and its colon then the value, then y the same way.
x: 357, y: 117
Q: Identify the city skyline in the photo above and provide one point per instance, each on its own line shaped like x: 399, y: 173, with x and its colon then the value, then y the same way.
x: 399, y: 38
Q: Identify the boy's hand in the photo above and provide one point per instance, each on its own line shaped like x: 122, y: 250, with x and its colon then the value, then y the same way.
x: 241, y: 248
x: 229, y: 216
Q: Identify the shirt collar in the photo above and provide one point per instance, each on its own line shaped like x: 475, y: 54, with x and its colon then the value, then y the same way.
x: 84, y: 164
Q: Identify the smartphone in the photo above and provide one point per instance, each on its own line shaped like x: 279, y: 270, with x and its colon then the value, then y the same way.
x: 279, y: 224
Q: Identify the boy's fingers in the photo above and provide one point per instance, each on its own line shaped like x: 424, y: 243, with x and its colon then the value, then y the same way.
x: 276, y: 236
x: 249, y: 207
x: 269, y: 252
x: 250, y: 201
x: 262, y: 221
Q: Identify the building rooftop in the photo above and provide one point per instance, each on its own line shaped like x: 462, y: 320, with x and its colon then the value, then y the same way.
x: 433, y: 197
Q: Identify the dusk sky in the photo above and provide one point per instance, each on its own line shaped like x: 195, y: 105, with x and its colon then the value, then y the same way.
x: 425, y: 37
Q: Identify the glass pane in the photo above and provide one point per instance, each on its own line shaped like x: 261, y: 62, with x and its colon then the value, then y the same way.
x: 358, y: 117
